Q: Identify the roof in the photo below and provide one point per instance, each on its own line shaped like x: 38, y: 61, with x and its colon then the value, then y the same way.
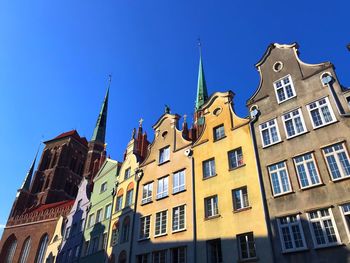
x: 52, y: 205
x: 72, y: 133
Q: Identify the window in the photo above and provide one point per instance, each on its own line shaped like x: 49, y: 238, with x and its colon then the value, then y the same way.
x: 240, y: 198
x: 219, y: 132
x: 145, y: 227
x: 10, y: 252
x: 108, y: 211
x: 294, y: 123
x: 178, y: 255
x: 129, y: 195
x: 99, y: 216
x: 67, y: 233
x: 147, y: 193
x: 162, y: 187
x: 86, y: 249
x: 209, y: 168
x: 127, y: 173
x: 337, y: 161
x: 142, y: 258
x: 246, y: 246
x: 284, y: 89
x: 103, y: 187
x: 161, y: 222
x: 321, y: 113
x: 164, y: 154
x: 211, y: 206
x: 269, y: 133
x: 159, y: 256
x: 345, y: 210
x: 235, y: 158
x: 91, y: 220
x: 115, y: 234
x: 77, y: 251
x: 179, y: 181
x: 25, y: 250
x: 323, y: 228
x: 214, y: 253
x: 279, y: 179
x: 94, y: 245
x: 291, y: 233
x: 125, y: 230
x: 42, y: 249
x: 179, y: 218
x: 119, y: 203
x: 306, y: 170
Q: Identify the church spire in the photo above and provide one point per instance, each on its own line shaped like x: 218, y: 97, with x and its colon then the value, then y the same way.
x: 100, y: 128
x: 28, y: 179
x: 202, y: 93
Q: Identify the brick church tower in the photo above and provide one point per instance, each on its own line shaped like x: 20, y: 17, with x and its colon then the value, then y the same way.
x: 50, y: 191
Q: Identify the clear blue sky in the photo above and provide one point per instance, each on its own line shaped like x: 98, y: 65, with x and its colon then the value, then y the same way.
x: 55, y: 57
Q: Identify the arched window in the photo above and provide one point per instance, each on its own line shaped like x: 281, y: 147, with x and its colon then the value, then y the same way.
x: 25, y: 250
x: 125, y: 230
x: 115, y: 234
x: 122, y: 257
x: 42, y: 249
x: 10, y: 248
x: 129, y: 194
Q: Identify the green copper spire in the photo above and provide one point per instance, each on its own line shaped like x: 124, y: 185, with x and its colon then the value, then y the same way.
x: 202, y: 92
x: 28, y: 179
x: 100, y: 128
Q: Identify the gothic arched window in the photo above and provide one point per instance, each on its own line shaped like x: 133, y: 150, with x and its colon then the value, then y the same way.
x: 115, y: 234
x: 42, y: 249
x: 11, y: 248
x: 125, y: 230
x: 25, y: 250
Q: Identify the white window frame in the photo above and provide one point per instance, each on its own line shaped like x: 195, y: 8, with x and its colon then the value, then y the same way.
x: 278, y: 171
x: 238, y: 157
x: 289, y: 225
x: 283, y: 86
x: 91, y: 220
x: 159, y: 217
x: 214, y: 209
x: 321, y: 219
x: 103, y: 187
x: 219, y: 132
x: 159, y: 252
x: 143, y: 226
x: 108, y: 211
x: 245, y: 235
x: 268, y: 127
x: 164, y: 154
x: 162, y: 187
x: 99, y: 215
x: 149, y: 193
x: 318, y: 107
x: 306, y: 169
x: 178, y: 228
x: 335, y: 153
x: 346, y: 212
x: 178, y: 249
x: 210, y: 168
x: 176, y: 181
x: 292, y: 118
x: 117, y: 207
x: 127, y: 173
x: 241, y: 196
x: 128, y: 201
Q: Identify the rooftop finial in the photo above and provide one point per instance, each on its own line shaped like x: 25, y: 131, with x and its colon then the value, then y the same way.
x: 185, y: 117
x: 167, y: 109
x: 140, y: 122
x: 199, y: 46
x: 202, y: 92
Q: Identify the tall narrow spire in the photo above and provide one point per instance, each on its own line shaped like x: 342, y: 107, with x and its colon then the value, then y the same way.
x: 28, y: 179
x: 100, y: 128
x: 202, y: 92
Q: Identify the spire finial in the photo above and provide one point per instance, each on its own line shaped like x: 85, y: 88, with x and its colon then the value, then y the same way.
x: 140, y: 122
x: 202, y: 93
x: 199, y: 43
x: 185, y: 117
x: 28, y: 179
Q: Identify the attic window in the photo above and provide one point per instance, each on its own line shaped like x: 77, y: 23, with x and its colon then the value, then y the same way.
x: 217, y: 111
x: 278, y: 66
x: 164, y: 134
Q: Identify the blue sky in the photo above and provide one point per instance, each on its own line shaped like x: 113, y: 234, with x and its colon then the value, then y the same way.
x: 55, y: 57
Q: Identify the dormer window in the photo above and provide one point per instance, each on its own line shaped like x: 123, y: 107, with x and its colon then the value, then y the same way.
x: 164, y: 154
x: 284, y: 89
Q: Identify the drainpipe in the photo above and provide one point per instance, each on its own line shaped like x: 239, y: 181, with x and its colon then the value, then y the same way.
x: 194, y: 211
x: 113, y: 193
x: 328, y: 81
x: 254, y: 117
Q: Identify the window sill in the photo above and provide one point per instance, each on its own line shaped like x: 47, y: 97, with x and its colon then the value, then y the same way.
x: 330, y: 246
x: 163, y: 197
x: 180, y: 191
x: 280, y: 102
x: 310, y: 187
x: 160, y: 235
x: 143, y: 239
x: 287, y: 193
x: 295, y: 251
x: 272, y: 144
x: 145, y: 203
x: 167, y: 161
x: 254, y: 259
x: 235, y: 168
x: 212, y: 217
x: 324, y: 125
x: 178, y: 231
x: 299, y: 134
x: 206, y: 178
x: 221, y: 138
x: 340, y: 179
x: 242, y: 209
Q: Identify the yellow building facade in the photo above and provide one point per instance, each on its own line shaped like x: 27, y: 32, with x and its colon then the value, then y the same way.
x: 230, y: 216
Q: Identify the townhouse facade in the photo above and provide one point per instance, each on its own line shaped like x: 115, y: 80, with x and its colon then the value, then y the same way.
x: 301, y: 127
